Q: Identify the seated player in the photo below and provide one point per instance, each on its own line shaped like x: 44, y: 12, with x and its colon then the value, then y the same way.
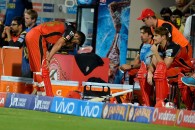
x: 132, y: 68
x: 169, y: 61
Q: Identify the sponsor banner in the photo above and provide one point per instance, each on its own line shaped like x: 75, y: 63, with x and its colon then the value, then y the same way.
x: 18, y: 100
x: 140, y: 114
x: 186, y: 118
x: 115, y: 111
x: 2, y: 4
x: 48, y: 7
x: 41, y: 103
x: 2, y: 99
x: 37, y: 6
x: 65, y: 106
x: 165, y: 116
x: 71, y: 10
x: 90, y: 109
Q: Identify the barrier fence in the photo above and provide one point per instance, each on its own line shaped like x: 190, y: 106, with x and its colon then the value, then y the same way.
x: 84, y: 108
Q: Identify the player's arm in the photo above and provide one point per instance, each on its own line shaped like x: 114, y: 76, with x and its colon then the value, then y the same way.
x: 154, y: 49
x: 136, y: 62
x: 150, y: 75
x: 55, y: 48
x: 133, y: 64
x: 7, y: 32
x: 172, y: 52
x: 65, y: 39
x: 168, y: 61
x: 187, y: 6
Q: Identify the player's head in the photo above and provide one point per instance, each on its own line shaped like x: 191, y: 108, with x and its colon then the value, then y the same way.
x: 166, y: 13
x: 30, y: 17
x: 145, y: 34
x: 146, y: 13
x: 17, y: 25
x: 79, y: 38
x: 161, y: 34
x: 147, y: 16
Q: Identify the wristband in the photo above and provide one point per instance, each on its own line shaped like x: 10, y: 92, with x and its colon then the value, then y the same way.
x: 64, y: 38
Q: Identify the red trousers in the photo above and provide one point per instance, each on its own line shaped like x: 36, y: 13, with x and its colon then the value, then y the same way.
x: 37, y: 49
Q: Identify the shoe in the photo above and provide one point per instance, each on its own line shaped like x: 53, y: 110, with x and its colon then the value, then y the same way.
x: 189, y: 81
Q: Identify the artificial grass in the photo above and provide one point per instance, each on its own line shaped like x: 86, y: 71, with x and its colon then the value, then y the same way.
x: 21, y: 119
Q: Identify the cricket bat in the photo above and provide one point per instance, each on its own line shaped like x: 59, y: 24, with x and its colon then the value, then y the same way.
x: 103, y: 98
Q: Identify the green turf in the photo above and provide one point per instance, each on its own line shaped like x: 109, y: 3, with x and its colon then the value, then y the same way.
x: 20, y: 119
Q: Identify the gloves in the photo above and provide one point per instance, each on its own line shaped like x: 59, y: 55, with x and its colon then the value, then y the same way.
x: 69, y: 33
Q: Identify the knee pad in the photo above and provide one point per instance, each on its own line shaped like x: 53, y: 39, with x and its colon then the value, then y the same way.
x: 161, y: 82
x: 47, y: 81
x: 144, y: 86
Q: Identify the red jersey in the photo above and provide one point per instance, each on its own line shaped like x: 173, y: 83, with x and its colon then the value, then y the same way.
x: 181, y: 58
x: 51, y: 31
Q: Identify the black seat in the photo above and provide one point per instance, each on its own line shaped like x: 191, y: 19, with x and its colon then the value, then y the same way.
x: 91, y: 91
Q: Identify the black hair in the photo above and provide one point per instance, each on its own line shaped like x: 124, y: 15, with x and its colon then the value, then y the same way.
x: 20, y: 21
x: 166, y: 10
x: 163, y: 31
x: 82, y: 37
x: 146, y: 30
x: 177, y: 12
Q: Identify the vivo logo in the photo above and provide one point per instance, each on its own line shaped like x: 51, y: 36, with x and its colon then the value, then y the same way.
x: 64, y: 107
x: 90, y: 111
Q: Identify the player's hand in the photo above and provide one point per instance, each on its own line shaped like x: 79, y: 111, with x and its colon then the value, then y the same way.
x: 154, y: 48
x: 125, y: 67
x: 149, y: 78
x: 7, y: 30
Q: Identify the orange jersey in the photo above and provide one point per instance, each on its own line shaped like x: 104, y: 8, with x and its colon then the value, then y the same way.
x: 177, y: 36
x: 51, y: 31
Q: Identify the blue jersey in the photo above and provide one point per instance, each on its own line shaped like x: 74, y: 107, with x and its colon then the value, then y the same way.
x: 146, y: 53
x: 16, y: 8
